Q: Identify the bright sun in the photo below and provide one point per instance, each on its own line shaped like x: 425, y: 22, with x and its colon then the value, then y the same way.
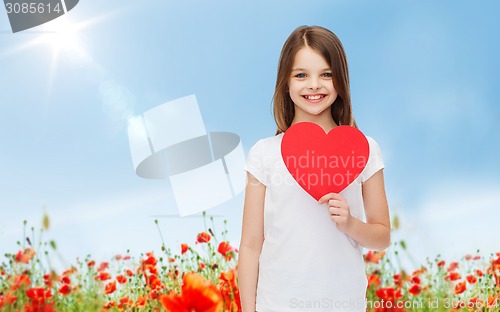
x: 59, y: 35
x: 63, y: 37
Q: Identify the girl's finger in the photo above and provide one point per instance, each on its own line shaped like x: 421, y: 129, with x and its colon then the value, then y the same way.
x: 335, y: 211
x: 335, y: 203
x: 329, y: 196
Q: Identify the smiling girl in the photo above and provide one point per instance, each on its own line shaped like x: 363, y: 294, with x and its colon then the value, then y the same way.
x: 296, y: 253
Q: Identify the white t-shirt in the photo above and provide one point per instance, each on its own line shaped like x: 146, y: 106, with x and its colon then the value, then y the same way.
x: 306, y: 263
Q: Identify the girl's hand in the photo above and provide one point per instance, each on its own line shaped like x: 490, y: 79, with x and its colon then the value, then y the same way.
x: 339, y: 210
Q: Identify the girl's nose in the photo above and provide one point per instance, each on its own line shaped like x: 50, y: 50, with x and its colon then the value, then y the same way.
x: 314, y: 84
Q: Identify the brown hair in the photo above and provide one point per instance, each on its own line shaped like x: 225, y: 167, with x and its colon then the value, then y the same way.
x: 329, y: 46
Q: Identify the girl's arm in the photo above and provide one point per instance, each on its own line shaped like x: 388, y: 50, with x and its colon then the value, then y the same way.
x: 252, y: 237
x: 376, y: 232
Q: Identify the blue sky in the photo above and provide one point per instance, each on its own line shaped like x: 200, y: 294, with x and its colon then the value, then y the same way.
x: 424, y: 84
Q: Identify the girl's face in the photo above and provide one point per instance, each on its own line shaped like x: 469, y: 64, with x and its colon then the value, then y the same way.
x: 311, y: 86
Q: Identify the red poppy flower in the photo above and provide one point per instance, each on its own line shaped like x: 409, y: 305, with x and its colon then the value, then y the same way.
x: 154, y: 282
x: 184, y: 248
x: 102, y: 276
x: 398, y: 280
x: 201, y: 265
x: 91, y: 263
x: 471, y: 279
x: 8, y: 298
x: 453, y: 266
x: 153, y: 295
x: 65, y: 289
x: 20, y: 280
x: 460, y: 287
x: 150, y: 259
x: 103, y: 266
x: 203, y: 237
x: 197, y: 294
x: 388, y: 294
x: 476, y: 302
x: 121, y: 279
x: 495, y: 269
x: 125, y: 303
x: 441, y: 264
x: 415, y: 279
x: 229, y: 290
x: 414, y: 289
x: 493, y: 301
x: 38, y: 294
x: 140, y: 302
x: 110, y: 288
x: 65, y: 280
x: 229, y: 277
x: 453, y: 276
x: 39, y: 307
x: 374, y: 280
x: 226, y: 250
x: 469, y: 257
x: 25, y: 256
x: 374, y: 256
x: 149, y: 263
x: 50, y: 278
x: 497, y: 260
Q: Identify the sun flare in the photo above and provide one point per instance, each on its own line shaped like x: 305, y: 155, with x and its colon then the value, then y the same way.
x: 58, y: 40
x: 64, y: 38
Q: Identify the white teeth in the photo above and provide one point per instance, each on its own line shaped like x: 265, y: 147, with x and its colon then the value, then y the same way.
x: 313, y: 97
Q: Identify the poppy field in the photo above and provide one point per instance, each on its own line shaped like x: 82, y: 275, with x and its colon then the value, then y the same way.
x: 202, y: 276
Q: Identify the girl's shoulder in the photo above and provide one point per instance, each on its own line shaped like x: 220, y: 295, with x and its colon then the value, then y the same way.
x: 374, y: 147
x: 371, y: 140
x: 267, y: 148
x: 269, y: 142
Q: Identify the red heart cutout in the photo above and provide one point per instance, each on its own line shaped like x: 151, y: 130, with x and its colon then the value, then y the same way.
x: 323, y: 163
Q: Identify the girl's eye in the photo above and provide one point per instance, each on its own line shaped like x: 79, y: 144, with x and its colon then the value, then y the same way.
x: 327, y: 75
x: 300, y: 75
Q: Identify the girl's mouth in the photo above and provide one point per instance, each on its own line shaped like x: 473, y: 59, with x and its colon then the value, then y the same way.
x: 314, y: 97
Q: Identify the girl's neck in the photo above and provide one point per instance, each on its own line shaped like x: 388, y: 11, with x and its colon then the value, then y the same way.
x: 325, y: 122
